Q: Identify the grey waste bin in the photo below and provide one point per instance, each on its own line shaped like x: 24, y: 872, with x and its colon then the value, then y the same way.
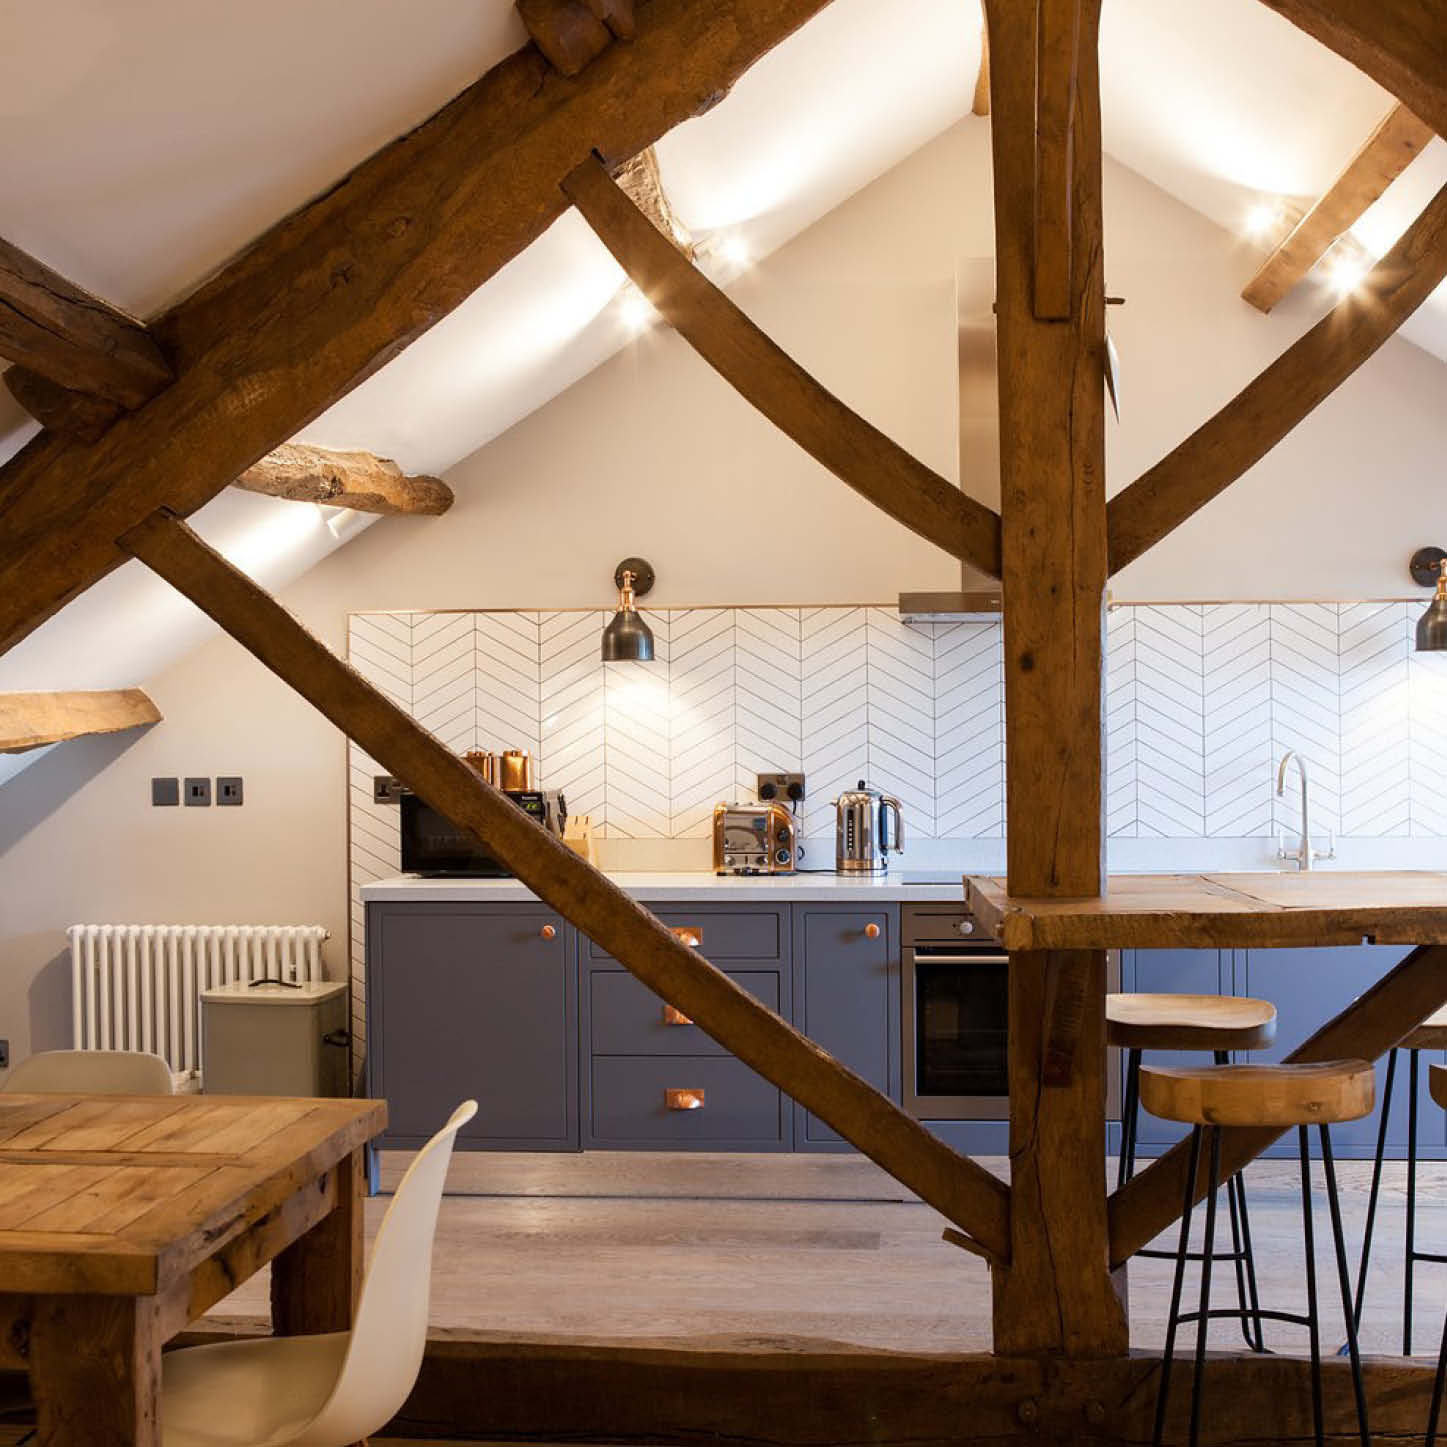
x: 275, y: 1039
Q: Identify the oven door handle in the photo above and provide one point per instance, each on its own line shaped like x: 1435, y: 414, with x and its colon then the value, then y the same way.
x: 922, y: 959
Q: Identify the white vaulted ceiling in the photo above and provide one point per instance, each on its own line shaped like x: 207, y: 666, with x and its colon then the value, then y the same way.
x: 141, y: 144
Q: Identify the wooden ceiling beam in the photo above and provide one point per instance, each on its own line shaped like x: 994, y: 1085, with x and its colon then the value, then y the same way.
x: 61, y: 335
x: 640, y: 180
x: 356, y: 480
x: 980, y: 105
x: 33, y: 720
x: 332, y: 292
x: 964, y: 1192
x: 574, y: 33
x: 1401, y: 44
x: 1382, y: 158
x: 766, y: 376
x: 1263, y: 412
x: 1057, y: 41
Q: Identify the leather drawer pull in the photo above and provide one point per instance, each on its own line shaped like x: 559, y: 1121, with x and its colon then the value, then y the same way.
x: 690, y: 1099
x: 675, y: 1017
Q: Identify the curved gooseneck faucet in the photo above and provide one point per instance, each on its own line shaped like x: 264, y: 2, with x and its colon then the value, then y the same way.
x: 1303, y: 853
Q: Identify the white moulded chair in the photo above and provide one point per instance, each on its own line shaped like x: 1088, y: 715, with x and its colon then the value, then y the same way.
x: 91, y: 1072
x: 324, y: 1391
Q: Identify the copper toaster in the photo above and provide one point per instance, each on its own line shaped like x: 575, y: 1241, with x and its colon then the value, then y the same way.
x: 754, y: 839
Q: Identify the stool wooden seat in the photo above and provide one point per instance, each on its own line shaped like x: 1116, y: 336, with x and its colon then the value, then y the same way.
x: 1189, y: 1022
x: 1431, y: 1034
x: 1318, y: 1093
x: 1437, y: 1083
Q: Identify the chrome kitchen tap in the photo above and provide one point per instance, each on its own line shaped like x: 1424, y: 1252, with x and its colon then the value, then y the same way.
x: 1303, y: 855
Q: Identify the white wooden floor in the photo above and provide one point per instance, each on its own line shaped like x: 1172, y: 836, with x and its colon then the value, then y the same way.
x: 810, y: 1249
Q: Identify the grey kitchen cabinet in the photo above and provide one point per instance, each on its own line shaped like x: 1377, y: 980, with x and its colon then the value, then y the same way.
x: 1308, y: 987
x: 654, y: 1081
x: 473, y: 1001
x: 846, y: 997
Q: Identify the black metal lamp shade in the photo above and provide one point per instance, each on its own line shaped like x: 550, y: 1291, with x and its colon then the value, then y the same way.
x: 627, y: 638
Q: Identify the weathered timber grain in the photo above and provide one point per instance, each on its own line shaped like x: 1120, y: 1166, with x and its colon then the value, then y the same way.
x: 1266, y: 409
x: 335, y: 290
x: 32, y: 720
x: 1057, y: 1296
x: 766, y: 376
x: 1373, y: 1023
x: 566, y: 31
x: 1382, y: 158
x: 962, y: 1191
x: 77, y: 415
x: 358, y: 480
x: 1401, y: 44
x: 53, y: 327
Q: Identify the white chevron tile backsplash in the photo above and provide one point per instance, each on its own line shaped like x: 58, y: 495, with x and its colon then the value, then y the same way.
x: 1202, y: 700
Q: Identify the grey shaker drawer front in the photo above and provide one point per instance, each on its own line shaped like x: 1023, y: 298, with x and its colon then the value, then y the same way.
x: 738, y: 1107
x: 629, y: 1019
x: 741, y: 934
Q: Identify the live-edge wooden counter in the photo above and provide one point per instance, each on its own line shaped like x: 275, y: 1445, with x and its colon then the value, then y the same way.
x: 1223, y: 911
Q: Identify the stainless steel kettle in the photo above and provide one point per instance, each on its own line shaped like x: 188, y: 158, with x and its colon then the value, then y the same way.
x: 862, y: 840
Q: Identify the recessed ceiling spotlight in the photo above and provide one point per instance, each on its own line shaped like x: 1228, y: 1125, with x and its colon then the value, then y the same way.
x: 635, y: 309
x: 1263, y: 218
x: 1348, y: 271
x: 735, y: 250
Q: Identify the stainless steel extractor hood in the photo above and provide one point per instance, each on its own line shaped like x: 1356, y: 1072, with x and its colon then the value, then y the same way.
x: 962, y: 607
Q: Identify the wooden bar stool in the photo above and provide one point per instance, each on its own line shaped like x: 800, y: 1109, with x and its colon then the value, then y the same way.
x: 1437, y: 1084
x: 1220, y: 1024
x: 1208, y: 1097
x: 1431, y: 1034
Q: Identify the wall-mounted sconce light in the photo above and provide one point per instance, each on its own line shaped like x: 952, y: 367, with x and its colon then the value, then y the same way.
x: 1429, y: 566
x: 627, y: 638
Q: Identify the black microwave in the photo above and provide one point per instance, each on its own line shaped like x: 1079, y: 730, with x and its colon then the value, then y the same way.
x: 433, y: 846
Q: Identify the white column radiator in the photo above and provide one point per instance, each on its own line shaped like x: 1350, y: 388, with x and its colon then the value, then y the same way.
x: 138, y: 986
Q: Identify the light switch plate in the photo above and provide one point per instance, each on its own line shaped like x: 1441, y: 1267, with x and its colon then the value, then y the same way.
x: 386, y: 789
x: 198, y: 793
x: 165, y: 793
x: 229, y: 790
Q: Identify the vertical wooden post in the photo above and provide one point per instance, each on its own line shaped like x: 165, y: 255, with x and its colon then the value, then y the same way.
x: 1057, y: 1295
x: 317, y: 1281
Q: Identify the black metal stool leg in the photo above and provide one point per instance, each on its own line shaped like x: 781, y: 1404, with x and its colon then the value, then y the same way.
x: 1344, y: 1274
x: 1203, y: 1319
x: 1246, y: 1295
x: 1376, y: 1189
x: 1437, y: 1385
x: 1192, y: 1166
x: 1129, y: 1118
x: 1313, y: 1325
x: 1411, y: 1255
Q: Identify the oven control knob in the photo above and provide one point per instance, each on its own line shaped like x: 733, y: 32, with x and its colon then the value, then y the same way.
x: 782, y: 856
x: 966, y: 926
x: 728, y: 861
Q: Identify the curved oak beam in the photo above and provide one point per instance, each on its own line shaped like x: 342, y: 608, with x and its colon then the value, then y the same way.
x: 356, y: 480
x: 766, y: 376
x: 967, y: 1194
x: 337, y: 289
x: 1401, y: 44
x: 1260, y: 415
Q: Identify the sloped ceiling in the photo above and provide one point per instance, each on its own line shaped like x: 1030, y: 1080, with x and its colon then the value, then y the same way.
x: 147, y: 142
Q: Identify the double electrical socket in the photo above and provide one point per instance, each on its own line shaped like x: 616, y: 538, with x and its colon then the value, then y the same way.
x: 167, y: 792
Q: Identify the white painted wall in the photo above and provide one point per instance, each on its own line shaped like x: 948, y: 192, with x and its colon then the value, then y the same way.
x: 653, y: 454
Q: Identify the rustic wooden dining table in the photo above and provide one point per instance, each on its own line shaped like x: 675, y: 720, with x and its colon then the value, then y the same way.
x: 124, y: 1218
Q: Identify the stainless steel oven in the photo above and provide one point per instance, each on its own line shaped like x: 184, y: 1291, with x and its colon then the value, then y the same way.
x: 955, y: 1017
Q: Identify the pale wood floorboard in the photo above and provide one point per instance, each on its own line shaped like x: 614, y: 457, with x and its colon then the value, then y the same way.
x: 790, y: 1251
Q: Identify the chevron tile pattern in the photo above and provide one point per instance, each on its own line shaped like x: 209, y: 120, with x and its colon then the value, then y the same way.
x: 768, y: 694
x: 835, y: 674
x: 900, y: 709
x: 637, y: 780
x: 1427, y: 724
x: 570, y: 705
x: 1236, y: 686
x: 702, y: 718
x: 1306, y: 708
x: 1374, y: 662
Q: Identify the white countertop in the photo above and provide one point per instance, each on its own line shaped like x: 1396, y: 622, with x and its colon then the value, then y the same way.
x: 917, y: 886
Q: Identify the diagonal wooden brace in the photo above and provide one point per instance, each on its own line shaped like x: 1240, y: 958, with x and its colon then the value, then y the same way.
x: 964, y: 1192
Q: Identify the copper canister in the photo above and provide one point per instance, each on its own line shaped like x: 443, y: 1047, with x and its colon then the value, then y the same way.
x: 484, y: 762
x: 515, y: 770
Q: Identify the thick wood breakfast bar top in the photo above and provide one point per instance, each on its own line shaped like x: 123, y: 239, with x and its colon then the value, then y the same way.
x: 1223, y: 911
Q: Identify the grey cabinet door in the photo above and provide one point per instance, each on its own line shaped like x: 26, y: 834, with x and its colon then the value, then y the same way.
x: 846, y: 997
x: 1308, y: 987
x: 481, y: 1002
x: 1172, y: 972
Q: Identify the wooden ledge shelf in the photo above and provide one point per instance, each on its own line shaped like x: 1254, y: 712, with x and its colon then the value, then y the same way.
x: 1223, y: 911
x: 32, y: 720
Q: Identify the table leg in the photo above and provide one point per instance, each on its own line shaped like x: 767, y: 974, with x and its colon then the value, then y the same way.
x: 95, y: 1371
x: 317, y: 1280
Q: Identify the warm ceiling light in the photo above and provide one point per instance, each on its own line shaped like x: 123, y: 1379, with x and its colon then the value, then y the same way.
x: 1263, y: 218
x: 635, y: 309
x: 1348, y: 271
x: 735, y: 250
